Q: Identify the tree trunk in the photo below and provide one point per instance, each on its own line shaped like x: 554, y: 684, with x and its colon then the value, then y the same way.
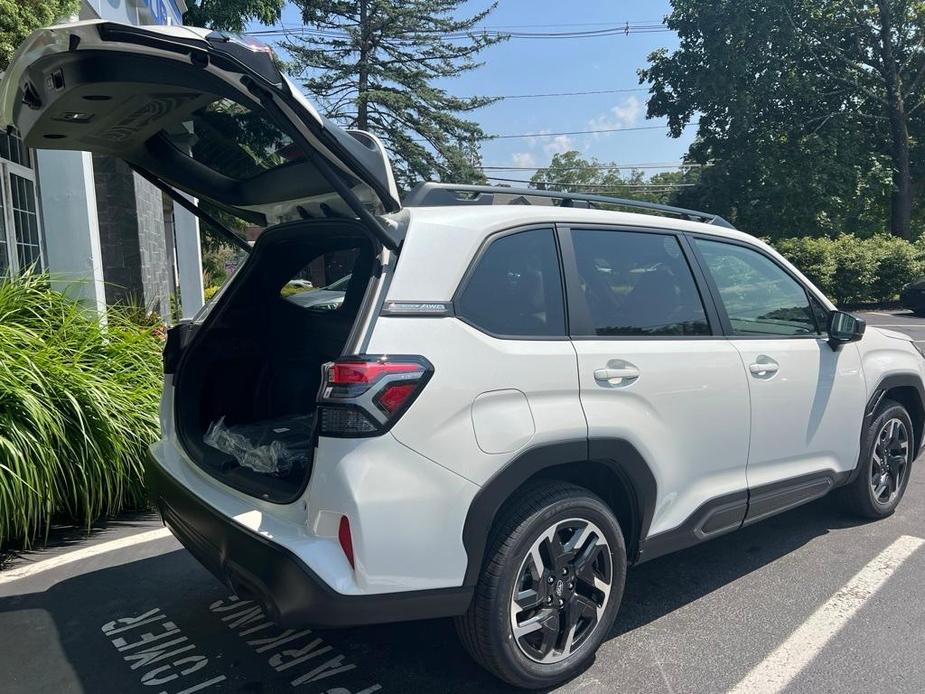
x: 363, y: 69
x: 901, y: 207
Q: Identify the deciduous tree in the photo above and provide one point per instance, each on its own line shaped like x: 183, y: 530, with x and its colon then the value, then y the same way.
x: 807, y: 109
x: 231, y: 15
x: 571, y: 173
x: 19, y: 18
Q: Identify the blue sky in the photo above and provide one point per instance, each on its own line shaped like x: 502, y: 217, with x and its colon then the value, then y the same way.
x: 525, y: 66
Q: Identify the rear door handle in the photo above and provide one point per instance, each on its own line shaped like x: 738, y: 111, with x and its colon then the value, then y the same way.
x: 625, y: 373
x: 764, y: 368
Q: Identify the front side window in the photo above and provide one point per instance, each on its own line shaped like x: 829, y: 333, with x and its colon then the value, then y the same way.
x: 516, y: 287
x: 637, y: 284
x: 759, y: 297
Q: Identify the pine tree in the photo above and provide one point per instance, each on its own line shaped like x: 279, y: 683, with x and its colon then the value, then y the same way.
x: 373, y: 65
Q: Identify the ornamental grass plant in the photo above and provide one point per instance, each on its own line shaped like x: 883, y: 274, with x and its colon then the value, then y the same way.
x: 78, y: 408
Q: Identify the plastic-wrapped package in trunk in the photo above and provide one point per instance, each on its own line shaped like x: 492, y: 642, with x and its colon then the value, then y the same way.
x: 270, y: 447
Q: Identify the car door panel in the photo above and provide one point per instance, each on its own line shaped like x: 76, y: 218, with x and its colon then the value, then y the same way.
x: 650, y: 371
x: 686, y: 413
x: 806, y: 417
x: 807, y: 399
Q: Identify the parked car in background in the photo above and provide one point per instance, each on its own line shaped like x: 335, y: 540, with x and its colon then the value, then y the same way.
x: 503, y: 407
x: 323, y: 299
x: 912, y: 297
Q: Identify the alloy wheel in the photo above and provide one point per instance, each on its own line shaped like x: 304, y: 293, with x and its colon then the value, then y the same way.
x: 562, y: 589
x: 889, y: 461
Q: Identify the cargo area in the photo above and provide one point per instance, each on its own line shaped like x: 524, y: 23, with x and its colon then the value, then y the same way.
x: 246, y: 384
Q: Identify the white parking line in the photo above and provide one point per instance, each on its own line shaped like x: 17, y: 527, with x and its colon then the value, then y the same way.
x: 776, y: 671
x: 917, y: 326
x: 79, y: 554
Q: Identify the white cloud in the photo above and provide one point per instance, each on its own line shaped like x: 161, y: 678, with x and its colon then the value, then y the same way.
x: 523, y: 159
x: 628, y: 114
x: 558, y: 144
x: 534, y: 141
x: 624, y: 115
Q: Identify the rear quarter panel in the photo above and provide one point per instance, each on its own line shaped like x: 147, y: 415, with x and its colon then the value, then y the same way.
x: 468, y: 364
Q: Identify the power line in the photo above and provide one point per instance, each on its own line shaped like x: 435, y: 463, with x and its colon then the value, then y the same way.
x: 569, y: 24
x: 648, y: 187
x: 577, y: 132
x: 512, y: 136
x: 626, y: 28
x: 598, y: 167
x: 594, y: 91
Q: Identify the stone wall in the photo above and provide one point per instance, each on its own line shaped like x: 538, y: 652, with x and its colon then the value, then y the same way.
x: 136, y: 266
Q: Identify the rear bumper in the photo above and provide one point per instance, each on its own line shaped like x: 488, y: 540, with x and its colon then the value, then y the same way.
x: 255, y: 567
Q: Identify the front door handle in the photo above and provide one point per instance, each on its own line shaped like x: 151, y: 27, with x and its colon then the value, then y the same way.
x: 764, y: 368
x: 615, y: 376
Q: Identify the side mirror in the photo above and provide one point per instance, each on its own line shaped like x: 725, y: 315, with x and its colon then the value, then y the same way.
x: 844, y: 328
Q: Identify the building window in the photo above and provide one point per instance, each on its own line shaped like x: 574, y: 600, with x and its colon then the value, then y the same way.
x: 12, y: 149
x: 4, y: 246
x: 20, y: 230
x: 26, y: 223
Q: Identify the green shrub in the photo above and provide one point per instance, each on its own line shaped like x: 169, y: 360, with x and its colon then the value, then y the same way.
x: 852, y: 270
x: 919, y: 247
x: 897, y: 264
x: 78, y: 408
x: 855, y: 270
x: 814, y: 256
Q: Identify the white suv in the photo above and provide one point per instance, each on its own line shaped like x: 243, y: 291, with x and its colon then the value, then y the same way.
x: 516, y: 396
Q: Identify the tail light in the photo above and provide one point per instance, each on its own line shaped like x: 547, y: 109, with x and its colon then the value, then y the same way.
x: 366, y: 395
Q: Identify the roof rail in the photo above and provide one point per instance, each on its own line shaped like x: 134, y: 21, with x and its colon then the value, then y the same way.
x: 449, y: 194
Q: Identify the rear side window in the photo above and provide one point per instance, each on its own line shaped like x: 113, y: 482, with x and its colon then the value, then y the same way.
x: 516, y: 287
x: 759, y: 297
x: 637, y: 283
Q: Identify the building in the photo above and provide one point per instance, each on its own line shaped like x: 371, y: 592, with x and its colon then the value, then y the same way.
x: 105, y: 234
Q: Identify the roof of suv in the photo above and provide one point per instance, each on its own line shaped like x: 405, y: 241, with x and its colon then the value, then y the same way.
x: 443, y: 240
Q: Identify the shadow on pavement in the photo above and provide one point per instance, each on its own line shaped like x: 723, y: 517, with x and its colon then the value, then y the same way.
x: 54, y: 640
x: 62, y: 537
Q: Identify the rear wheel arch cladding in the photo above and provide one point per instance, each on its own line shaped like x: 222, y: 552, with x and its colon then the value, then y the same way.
x: 610, y: 468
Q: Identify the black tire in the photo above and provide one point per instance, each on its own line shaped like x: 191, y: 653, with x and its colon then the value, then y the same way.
x: 487, y: 629
x: 877, y: 444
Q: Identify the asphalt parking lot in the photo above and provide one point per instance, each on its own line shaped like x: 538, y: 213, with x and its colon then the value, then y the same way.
x: 130, y: 611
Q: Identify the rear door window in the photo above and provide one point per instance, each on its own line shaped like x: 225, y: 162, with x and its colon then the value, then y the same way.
x: 515, y: 289
x: 636, y: 284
